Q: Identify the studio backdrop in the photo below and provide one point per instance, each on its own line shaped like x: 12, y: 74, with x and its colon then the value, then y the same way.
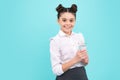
x: 26, y: 27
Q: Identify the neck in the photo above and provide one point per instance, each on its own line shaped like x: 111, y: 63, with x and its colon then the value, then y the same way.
x: 68, y: 33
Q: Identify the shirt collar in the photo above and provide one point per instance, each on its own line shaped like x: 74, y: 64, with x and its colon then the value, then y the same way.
x: 61, y: 33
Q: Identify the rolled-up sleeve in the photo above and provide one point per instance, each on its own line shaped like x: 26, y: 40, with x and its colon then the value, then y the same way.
x: 55, y: 58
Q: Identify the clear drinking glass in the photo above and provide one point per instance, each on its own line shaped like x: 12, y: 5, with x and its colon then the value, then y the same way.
x: 82, y: 46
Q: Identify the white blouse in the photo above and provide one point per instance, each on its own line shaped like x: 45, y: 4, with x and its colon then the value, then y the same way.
x: 63, y: 48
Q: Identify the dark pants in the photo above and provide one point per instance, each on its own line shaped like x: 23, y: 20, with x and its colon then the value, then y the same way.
x: 78, y: 73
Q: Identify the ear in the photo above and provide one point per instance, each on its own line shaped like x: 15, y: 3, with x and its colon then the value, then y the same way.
x: 58, y: 21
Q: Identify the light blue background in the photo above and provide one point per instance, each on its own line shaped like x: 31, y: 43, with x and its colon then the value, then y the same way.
x: 27, y: 25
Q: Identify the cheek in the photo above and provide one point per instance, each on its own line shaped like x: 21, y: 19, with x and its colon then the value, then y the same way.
x: 62, y: 23
x: 73, y: 23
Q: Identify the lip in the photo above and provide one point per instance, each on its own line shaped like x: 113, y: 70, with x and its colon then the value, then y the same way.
x: 67, y: 27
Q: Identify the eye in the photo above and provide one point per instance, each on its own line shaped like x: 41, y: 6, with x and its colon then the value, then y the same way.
x: 71, y: 20
x: 64, y: 20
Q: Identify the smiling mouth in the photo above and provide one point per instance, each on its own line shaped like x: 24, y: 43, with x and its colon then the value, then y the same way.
x: 67, y: 27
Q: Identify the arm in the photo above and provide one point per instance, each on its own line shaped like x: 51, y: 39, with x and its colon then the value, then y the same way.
x: 55, y: 58
x: 57, y: 67
x: 68, y: 64
x: 80, y: 55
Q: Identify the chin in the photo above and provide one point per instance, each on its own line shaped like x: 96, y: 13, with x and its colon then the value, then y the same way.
x: 68, y: 31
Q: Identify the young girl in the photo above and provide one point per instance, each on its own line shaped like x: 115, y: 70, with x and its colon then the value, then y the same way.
x: 67, y: 49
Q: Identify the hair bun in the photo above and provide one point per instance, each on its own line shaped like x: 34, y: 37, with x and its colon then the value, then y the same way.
x: 74, y: 8
x: 59, y: 8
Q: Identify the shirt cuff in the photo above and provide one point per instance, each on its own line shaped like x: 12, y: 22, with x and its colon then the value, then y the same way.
x: 58, y: 70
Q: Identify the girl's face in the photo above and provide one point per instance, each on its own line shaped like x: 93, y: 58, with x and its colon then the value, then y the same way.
x: 67, y: 22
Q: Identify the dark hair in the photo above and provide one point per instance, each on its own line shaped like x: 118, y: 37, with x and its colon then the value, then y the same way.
x: 60, y: 9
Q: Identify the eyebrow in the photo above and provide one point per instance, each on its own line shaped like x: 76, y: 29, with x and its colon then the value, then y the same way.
x: 66, y: 18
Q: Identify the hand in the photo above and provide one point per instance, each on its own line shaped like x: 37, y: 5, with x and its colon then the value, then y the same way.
x: 81, y: 56
x: 85, y: 58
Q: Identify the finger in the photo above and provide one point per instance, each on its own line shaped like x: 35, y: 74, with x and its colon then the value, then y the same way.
x: 83, y: 50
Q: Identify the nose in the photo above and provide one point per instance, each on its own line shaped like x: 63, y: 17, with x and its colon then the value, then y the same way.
x: 68, y: 22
